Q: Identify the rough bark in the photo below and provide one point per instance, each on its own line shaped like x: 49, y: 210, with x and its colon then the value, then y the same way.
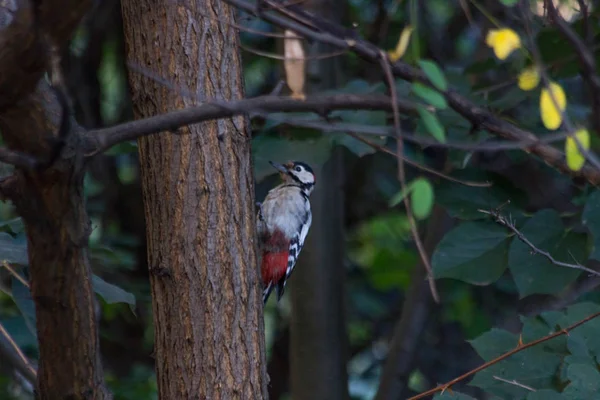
x: 318, y: 345
x: 199, y: 204
x: 50, y: 201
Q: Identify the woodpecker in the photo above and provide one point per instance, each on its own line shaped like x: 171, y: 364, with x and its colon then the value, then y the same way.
x: 283, y: 221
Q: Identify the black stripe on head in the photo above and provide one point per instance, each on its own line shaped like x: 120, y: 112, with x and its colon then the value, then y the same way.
x: 305, y: 165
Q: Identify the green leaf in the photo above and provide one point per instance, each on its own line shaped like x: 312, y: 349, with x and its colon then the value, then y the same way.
x: 432, y: 124
x: 435, y: 74
x: 111, y: 293
x: 585, y: 382
x: 12, y: 250
x: 587, y: 334
x: 591, y: 219
x: 534, y: 367
x: 533, y: 273
x: 421, y: 198
x: 474, y: 252
x: 545, y: 394
x: 386, y: 272
x: 429, y: 95
x: 509, y: 3
x: 453, y: 396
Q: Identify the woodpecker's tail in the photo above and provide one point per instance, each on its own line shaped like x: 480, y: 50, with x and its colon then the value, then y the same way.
x: 280, y: 288
x: 267, y: 292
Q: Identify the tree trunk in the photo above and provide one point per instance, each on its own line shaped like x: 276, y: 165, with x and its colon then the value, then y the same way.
x: 199, y: 205
x: 318, y: 330
x: 416, y: 309
x: 51, y: 202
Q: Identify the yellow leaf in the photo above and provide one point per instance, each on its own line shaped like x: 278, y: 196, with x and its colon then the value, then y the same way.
x: 503, y: 41
x: 529, y: 78
x: 402, y: 45
x: 575, y: 158
x: 552, y: 116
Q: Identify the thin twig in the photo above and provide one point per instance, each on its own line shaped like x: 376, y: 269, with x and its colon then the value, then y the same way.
x: 14, y: 273
x: 275, y: 56
x: 520, y: 347
x: 402, y: 176
x: 4, y: 333
x: 417, y: 165
x: 493, y: 145
x: 509, y: 224
x: 515, y: 383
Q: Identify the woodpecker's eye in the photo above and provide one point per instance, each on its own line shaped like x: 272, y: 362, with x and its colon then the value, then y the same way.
x: 298, y: 168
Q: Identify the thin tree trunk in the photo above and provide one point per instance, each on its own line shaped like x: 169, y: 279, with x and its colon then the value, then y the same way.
x: 416, y: 309
x: 199, y: 204
x: 50, y: 201
x: 318, y: 332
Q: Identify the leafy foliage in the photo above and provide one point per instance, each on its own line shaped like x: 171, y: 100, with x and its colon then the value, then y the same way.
x: 485, y: 273
x: 561, y: 368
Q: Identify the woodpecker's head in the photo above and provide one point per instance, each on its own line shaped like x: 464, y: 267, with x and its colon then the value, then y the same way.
x: 297, y: 172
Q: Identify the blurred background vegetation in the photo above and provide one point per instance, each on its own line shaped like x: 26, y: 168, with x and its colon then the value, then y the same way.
x: 379, y: 257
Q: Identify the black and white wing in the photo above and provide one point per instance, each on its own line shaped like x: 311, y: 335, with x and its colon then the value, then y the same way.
x: 296, y: 244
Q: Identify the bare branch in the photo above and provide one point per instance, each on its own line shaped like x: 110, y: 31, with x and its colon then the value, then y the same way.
x: 417, y: 165
x: 96, y: 141
x: 385, y: 65
x: 15, y: 274
x: 16, y: 356
x: 485, y: 145
x: 509, y: 224
x: 276, y: 56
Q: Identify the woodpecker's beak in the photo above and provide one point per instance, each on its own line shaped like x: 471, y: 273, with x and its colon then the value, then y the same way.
x: 279, y: 167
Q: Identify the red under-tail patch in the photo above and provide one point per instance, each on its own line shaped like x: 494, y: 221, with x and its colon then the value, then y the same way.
x: 274, y: 266
x: 274, y: 257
